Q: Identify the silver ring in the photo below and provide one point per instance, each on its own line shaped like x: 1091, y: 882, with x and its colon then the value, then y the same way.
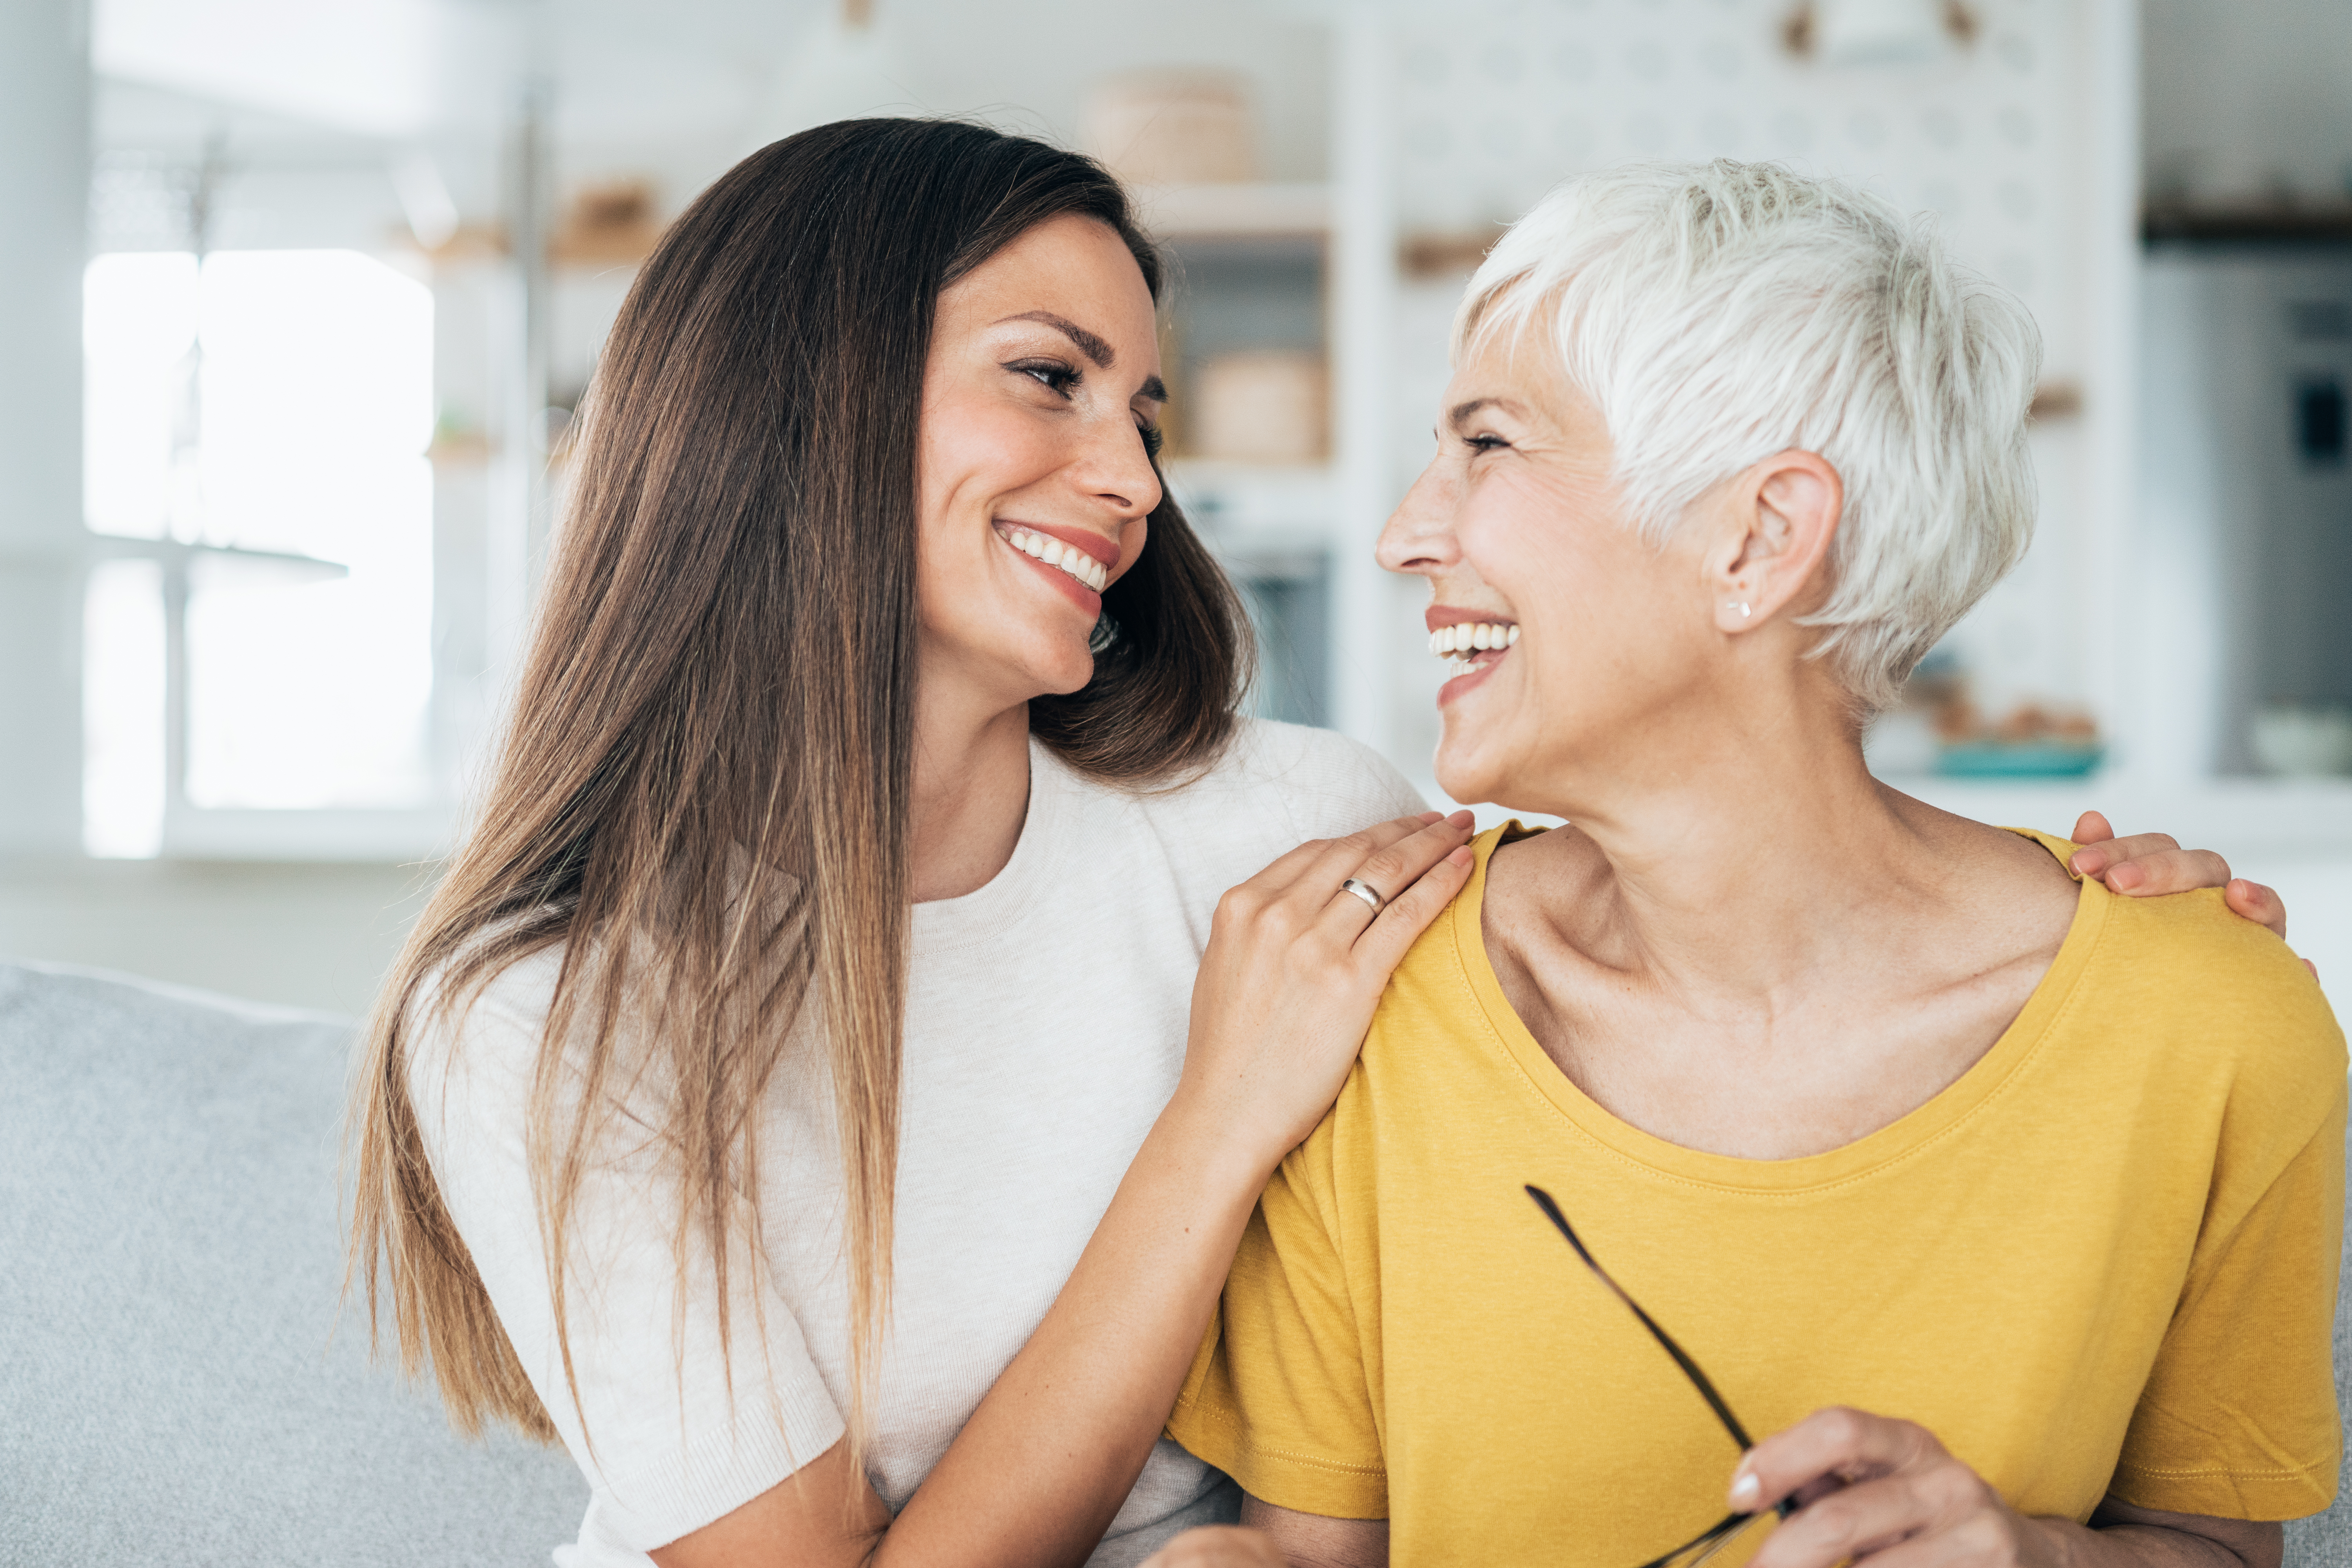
x: 1365, y: 891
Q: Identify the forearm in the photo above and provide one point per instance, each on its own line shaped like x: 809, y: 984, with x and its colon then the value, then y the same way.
x: 1052, y: 1452
x: 2121, y: 1537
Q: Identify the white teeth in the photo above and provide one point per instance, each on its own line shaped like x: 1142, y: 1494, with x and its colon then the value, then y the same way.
x: 1068, y: 557
x: 1467, y: 638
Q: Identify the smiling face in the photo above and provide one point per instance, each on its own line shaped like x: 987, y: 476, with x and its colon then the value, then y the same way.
x: 1573, y: 639
x: 1036, y: 477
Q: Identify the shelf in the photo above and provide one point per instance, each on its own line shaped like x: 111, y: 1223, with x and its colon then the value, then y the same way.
x: 2234, y: 815
x: 2249, y: 224
x: 1239, y: 498
x: 1184, y: 211
x: 2255, y: 819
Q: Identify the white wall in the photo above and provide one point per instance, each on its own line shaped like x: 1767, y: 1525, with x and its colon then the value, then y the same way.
x: 2007, y: 142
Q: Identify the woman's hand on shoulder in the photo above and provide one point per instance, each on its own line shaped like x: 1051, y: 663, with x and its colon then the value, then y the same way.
x: 1294, y: 965
x: 2148, y: 865
x: 1874, y: 1489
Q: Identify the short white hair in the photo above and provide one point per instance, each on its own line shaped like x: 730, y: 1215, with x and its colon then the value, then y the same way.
x: 1718, y: 313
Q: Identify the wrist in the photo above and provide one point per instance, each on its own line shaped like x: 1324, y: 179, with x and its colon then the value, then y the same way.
x: 2048, y: 1542
x: 1216, y: 1143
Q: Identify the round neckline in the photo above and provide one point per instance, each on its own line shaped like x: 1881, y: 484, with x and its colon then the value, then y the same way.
x: 1908, y: 1134
x: 985, y: 911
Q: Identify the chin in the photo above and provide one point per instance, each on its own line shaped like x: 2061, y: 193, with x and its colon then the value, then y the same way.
x: 1064, y: 673
x: 1465, y: 776
x: 1489, y: 771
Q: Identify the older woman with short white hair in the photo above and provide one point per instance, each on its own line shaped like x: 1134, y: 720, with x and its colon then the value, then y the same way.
x: 2003, y: 1211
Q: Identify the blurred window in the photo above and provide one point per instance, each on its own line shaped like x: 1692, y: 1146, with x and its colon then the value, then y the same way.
x: 263, y: 419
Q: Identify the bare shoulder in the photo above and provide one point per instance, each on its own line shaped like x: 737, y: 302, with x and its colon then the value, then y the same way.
x: 1538, y: 876
x: 2001, y: 879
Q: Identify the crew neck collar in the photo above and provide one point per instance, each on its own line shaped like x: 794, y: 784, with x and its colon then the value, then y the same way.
x: 1972, y: 1093
x: 1005, y: 898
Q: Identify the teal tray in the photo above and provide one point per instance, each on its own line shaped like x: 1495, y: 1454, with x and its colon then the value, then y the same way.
x: 2028, y: 761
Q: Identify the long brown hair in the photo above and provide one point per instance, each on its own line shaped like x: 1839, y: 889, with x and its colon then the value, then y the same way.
x: 713, y: 822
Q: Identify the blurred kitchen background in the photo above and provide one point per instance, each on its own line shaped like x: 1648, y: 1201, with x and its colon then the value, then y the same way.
x: 300, y: 296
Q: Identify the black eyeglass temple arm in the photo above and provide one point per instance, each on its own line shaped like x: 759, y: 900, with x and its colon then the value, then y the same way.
x: 1690, y: 1368
x: 1730, y: 1522
x: 1713, y: 1532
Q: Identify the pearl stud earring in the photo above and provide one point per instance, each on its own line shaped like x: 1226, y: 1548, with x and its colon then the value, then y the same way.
x: 1741, y: 607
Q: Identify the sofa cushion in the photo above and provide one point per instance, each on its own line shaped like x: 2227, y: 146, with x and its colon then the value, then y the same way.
x: 2325, y: 1539
x: 175, y: 1383
x: 178, y: 1384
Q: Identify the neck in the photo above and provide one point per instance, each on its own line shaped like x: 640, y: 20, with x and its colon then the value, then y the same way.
x: 1745, y: 845
x: 971, y: 791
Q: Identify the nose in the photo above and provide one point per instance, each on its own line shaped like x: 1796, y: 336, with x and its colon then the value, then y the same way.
x: 1114, y: 468
x: 1418, y: 537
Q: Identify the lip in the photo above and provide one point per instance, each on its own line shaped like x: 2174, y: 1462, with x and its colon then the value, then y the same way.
x: 1461, y: 684
x: 1087, y: 602
x: 1103, y: 550
x: 1437, y: 618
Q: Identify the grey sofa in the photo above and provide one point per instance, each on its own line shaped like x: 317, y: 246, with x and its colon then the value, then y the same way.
x: 175, y: 1387
x: 174, y: 1384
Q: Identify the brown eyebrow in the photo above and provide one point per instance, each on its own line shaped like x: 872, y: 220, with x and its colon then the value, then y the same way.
x: 1153, y: 388
x: 1089, y: 344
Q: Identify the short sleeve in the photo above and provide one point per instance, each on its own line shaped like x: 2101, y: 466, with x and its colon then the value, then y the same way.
x: 1277, y: 1397
x: 676, y: 1423
x: 2238, y: 1419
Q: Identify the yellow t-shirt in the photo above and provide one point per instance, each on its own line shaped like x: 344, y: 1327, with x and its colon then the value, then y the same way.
x: 2103, y: 1260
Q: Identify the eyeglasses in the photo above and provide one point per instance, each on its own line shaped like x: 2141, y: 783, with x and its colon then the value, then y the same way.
x: 1724, y: 1532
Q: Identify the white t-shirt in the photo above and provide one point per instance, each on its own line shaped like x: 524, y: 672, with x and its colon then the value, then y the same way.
x: 1046, y: 1026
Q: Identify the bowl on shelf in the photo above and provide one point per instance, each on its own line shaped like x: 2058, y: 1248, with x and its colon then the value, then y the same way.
x: 1174, y: 127
x: 2047, y: 758
x: 1262, y: 405
x: 2302, y: 740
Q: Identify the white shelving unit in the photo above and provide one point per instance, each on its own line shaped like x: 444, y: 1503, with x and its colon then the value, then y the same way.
x: 1263, y: 208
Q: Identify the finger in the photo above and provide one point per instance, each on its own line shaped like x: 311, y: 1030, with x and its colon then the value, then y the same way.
x: 2093, y: 860
x: 1860, y: 1520
x: 1846, y: 1443
x: 2168, y: 871
x: 1382, y: 945
x: 2259, y: 904
x: 2091, y: 827
x: 1989, y: 1537
x: 1391, y: 870
x: 1314, y: 875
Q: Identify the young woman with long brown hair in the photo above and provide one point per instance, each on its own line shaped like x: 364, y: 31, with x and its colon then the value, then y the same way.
x: 827, y: 1088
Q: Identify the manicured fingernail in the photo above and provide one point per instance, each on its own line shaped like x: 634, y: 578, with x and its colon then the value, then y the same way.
x: 1743, y: 1490
x: 1462, y: 857
x: 2127, y: 876
x: 2088, y: 862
